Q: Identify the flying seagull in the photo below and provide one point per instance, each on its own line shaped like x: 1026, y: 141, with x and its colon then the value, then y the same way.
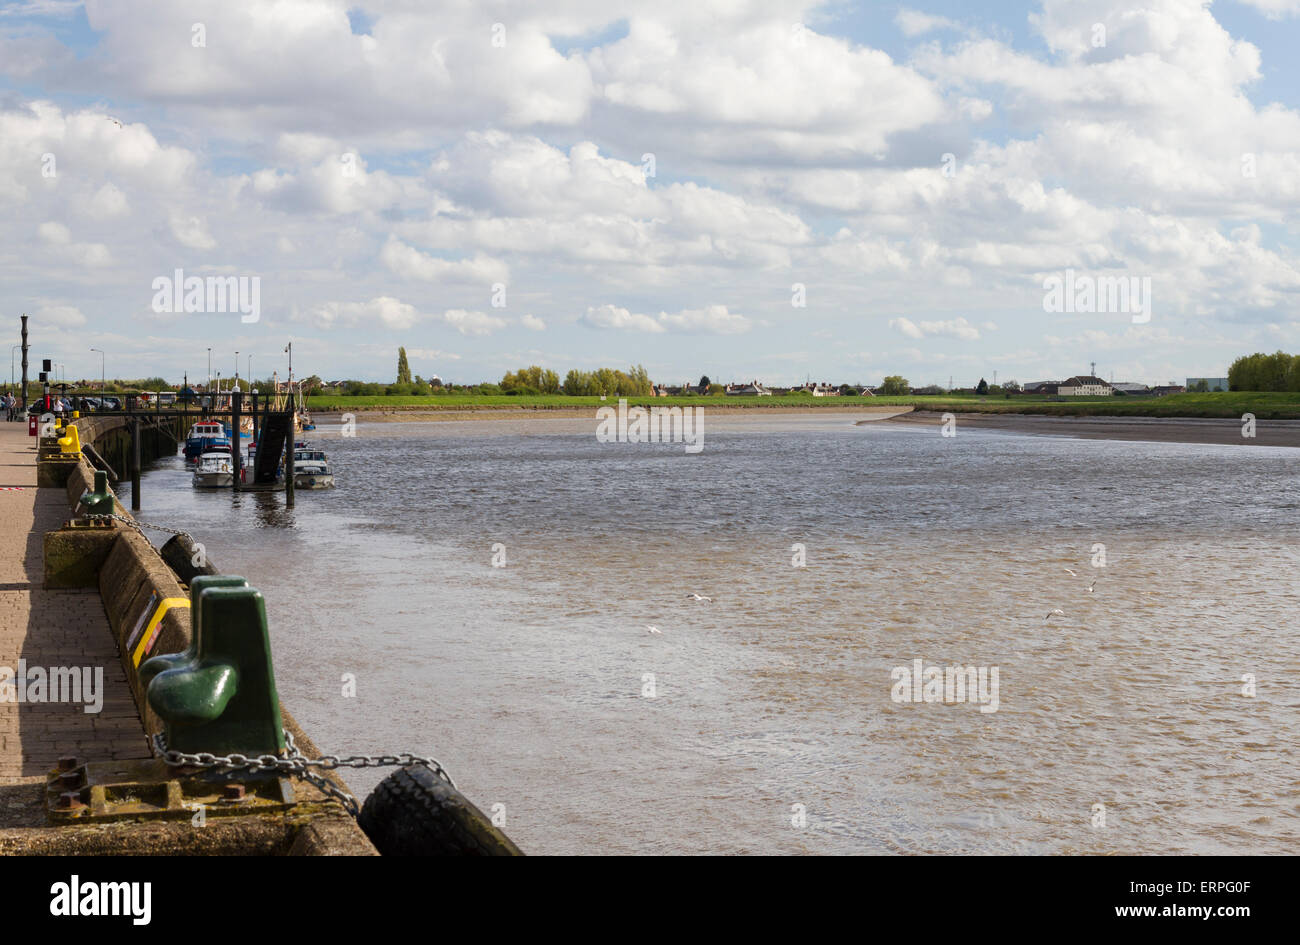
x: 1091, y: 586
x: 698, y: 597
x: 654, y: 629
x: 1054, y: 613
x: 114, y: 120
x: 1071, y: 573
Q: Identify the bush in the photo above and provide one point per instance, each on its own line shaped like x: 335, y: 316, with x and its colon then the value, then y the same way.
x: 895, y: 386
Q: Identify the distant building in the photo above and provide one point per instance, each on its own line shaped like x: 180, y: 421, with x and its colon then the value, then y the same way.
x: 1162, y: 390
x: 752, y: 389
x: 1085, y: 385
x: 1131, y: 389
x: 1215, y: 384
x: 817, y: 390
x: 1042, y: 388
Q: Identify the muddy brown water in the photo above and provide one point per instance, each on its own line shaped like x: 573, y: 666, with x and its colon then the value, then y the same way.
x: 765, y: 720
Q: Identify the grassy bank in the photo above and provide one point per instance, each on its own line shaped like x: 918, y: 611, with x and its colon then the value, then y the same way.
x: 1263, y: 405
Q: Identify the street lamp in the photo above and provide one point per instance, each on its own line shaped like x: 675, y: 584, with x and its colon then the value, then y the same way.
x: 209, y: 367
x: 250, y: 372
x: 236, y: 387
x: 101, y: 370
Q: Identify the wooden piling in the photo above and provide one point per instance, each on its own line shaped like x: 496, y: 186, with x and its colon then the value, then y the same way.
x: 236, y: 402
x: 135, y: 464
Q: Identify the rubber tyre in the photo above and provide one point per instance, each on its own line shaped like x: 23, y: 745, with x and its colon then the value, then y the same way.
x: 413, y: 812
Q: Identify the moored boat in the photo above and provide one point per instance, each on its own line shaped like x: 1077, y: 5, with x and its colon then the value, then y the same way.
x: 311, y: 469
x: 214, y: 471
x: 202, y: 436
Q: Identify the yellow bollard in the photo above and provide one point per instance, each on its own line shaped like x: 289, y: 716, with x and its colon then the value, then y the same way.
x: 70, y: 442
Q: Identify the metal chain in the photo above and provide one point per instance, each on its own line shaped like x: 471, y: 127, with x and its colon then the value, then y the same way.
x: 297, y: 765
x: 141, y: 526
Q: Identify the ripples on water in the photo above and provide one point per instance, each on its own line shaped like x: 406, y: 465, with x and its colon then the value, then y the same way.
x: 527, y: 680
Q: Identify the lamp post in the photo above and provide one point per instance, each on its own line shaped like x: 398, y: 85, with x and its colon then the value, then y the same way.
x: 250, y: 372
x: 209, y: 367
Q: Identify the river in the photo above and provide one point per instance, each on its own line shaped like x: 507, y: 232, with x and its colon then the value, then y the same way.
x: 769, y: 720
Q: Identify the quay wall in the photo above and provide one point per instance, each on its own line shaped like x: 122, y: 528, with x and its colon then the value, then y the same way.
x: 134, y: 574
x: 111, y: 437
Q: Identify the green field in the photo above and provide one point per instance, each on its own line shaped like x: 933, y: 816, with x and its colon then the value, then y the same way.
x: 1263, y: 405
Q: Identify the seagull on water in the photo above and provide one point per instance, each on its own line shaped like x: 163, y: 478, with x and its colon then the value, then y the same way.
x: 1070, y: 572
x: 1053, y: 613
x: 1091, y: 586
x: 698, y: 597
x: 654, y: 629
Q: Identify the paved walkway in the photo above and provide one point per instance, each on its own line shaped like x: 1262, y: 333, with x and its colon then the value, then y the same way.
x: 60, y: 628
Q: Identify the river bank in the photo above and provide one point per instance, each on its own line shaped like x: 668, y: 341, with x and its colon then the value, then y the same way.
x: 418, y: 414
x: 1227, y: 432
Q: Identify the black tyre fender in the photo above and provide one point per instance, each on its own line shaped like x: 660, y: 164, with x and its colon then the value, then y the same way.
x: 413, y: 812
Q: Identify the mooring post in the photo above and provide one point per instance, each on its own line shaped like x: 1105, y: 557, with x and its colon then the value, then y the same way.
x: 253, y: 441
x: 288, y: 457
x: 236, y: 402
x: 135, y: 464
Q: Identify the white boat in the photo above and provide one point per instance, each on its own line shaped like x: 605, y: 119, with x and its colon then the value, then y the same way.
x: 311, y: 469
x: 214, y: 471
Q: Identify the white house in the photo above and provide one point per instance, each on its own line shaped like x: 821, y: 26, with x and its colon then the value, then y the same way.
x: 1085, y: 385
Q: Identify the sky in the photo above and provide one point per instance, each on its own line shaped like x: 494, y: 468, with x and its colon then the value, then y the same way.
x: 775, y: 190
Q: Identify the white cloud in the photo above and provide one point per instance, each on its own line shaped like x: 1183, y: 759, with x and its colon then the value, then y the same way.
x: 713, y: 319
x: 915, y: 23
x: 410, y: 263
x: 472, y: 323
x: 191, y: 232
x: 533, y: 322
x: 381, y: 312
x: 907, y: 327
x: 953, y: 328
x: 59, y: 316
x: 611, y: 316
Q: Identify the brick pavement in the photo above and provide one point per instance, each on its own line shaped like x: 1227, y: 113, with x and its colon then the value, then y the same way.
x: 66, y: 628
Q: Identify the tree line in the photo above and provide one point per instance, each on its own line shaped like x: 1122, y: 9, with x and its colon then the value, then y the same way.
x: 603, y: 381
x: 1265, y: 372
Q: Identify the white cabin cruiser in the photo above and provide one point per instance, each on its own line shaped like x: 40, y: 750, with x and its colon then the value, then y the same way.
x: 311, y: 469
x: 214, y: 471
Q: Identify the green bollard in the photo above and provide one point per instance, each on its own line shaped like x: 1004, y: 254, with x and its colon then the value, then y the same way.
x: 219, y: 696
x: 164, y: 661
x: 100, y: 501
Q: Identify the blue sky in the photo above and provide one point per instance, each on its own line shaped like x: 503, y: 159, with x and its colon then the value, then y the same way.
x: 471, y: 181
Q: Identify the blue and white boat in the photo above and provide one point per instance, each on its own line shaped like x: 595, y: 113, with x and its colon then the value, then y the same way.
x: 205, y: 435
